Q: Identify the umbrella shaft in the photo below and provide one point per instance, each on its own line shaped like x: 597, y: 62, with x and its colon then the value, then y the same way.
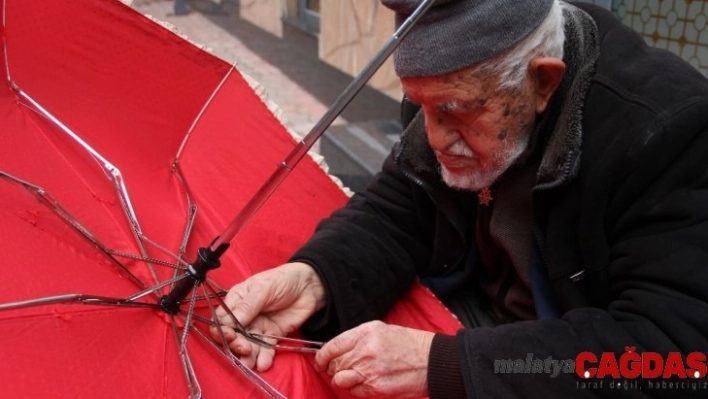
x: 284, y: 169
x: 260, y: 197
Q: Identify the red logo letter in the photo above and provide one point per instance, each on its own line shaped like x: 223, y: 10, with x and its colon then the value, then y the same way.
x: 674, y: 366
x: 608, y: 365
x: 630, y: 363
x: 652, y: 365
x: 696, y: 362
x: 580, y: 369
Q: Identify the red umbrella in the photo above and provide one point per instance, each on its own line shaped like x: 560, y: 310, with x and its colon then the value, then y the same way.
x: 124, y: 150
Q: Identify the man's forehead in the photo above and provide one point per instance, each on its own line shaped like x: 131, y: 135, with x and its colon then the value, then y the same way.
x: 442, y: 91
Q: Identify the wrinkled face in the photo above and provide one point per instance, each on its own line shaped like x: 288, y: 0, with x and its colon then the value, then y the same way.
x: 475, y: 130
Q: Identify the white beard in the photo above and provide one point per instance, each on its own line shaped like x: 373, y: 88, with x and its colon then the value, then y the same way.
x: 485, y: 175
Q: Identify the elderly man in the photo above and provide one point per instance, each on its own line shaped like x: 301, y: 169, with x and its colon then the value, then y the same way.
x: 550, y: 187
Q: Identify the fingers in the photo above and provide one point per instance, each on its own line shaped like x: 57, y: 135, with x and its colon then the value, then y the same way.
x: 244, y: 302
x: 346, y: 379
x: 248, y: 353
x: 251, y: 354
x: 378, y: 360
x: 256, y: 355
x: 343, y: 343
x: 289, y: 294
x: 273, y: 302
x: 338, y: 358
x: 264, y: 361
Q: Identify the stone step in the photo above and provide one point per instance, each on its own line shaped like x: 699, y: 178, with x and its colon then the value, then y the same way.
x: 356, y: 151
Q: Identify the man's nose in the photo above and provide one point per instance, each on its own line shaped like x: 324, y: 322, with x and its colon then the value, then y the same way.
x: 440, y: 135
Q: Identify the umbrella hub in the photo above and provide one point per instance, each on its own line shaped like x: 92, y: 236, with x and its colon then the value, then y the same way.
x: 196, y: 273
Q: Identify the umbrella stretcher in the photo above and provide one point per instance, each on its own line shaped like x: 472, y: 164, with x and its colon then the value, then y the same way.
x: 124, y: 149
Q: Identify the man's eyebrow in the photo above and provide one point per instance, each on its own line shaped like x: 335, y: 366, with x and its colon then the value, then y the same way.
x: 442, y: 104
x: 456, y: 105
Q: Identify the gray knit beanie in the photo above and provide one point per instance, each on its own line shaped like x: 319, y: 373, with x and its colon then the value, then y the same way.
x: 454, y: 34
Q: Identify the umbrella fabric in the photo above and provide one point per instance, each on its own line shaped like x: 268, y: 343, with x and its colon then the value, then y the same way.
x: 133, y: 91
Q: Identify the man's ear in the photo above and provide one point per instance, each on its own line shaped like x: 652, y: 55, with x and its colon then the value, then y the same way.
x: 546, y: 74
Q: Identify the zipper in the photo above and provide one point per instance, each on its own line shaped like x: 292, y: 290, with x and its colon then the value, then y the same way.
x: 429, y: 191
x: 538, y: 237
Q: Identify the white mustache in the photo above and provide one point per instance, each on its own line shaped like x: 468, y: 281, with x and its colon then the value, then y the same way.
x: 461, y: 149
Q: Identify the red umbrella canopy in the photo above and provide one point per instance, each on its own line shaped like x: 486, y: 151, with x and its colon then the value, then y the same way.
x: 124, y: 149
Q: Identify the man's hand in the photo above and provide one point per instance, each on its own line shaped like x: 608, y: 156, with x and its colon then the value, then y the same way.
x: 274, y: 302
x: 378, y: 360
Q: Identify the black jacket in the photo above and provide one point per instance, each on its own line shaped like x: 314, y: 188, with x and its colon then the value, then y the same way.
x: 620, y: 215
